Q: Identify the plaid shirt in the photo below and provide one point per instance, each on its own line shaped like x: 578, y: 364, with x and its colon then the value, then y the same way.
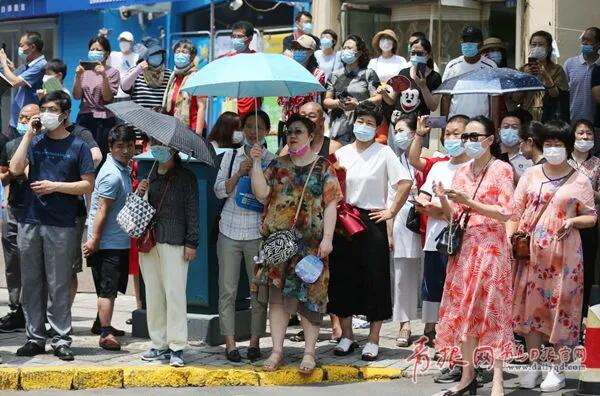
x: 237, y: 223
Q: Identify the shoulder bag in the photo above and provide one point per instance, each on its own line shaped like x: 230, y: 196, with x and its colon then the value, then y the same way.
x: 136, y: 214
x: 521, y: 241
x: 413, y: 219
x: 450, y: 239
x: 148, y: 239
x: 281, y: 246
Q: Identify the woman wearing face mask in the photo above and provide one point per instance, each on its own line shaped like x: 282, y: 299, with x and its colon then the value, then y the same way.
x: 405, y: 245
x: 327, y: 57
x: 97, y: 88
x: 281, y: 188
x: 493, y: 48
x: 348, y: 87
x: 188, y: 109
x: 360, y: 269
x: 387, y: 64
x: 226, y: 133
x: 173, y: 192
x: 239, y: 234
x: 303, y: 50
x: 544, y: 105
x: 419, y: 79
x: 552, y: 203
x: 476, y: 307
x: 588, y: 164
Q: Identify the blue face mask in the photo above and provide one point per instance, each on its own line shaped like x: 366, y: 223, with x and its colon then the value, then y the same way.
x: 469, y: 49
x: 509, y: 136
x: 496, y: 56
x: 300, y: 56
x: 248, y: 143
x: 402, y: 140
x: 96, y: 56
x: 238, y: 44
x: 418, y: 59
x: 22, y: 128
x: 348, y: 56
x: 326, y: 42
x: 307, y: 28
x: 409, y: 49
x: 454, y: 147
x: 364, y: 133
x: 587, y: 49
x: 161, y: 153
x: 156, y: 60
x: 474, y: 149
x: 182, y: 60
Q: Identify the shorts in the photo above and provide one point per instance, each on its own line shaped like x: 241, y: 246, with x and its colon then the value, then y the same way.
x: 110, y: 271
x: 78, y: 254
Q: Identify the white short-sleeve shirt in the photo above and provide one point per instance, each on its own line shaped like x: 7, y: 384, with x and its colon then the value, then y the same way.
x: 387, y: 68
x: 440, y: 172
x: 368, y: 174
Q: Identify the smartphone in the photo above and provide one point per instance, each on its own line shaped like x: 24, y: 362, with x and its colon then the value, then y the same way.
x: 415, y: 202
x: 421, y: 69
x: 435, y: 122
x: 37, y: 125
x: 531, y: 60
x: 87, y: 65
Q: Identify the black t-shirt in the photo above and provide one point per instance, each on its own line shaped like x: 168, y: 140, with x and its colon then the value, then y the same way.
x: 595, y: 83
x: 16, y: 194
x: 411, y: 99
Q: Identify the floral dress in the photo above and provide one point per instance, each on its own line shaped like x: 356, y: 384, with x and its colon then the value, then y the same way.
x: 477, y: 291
x: 287, y: 181
x: 548, y: 289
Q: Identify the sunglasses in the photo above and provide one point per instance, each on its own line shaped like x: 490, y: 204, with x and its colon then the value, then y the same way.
x: 471, y: 137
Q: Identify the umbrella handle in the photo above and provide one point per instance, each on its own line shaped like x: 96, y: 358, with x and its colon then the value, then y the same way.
x: 256, y: 117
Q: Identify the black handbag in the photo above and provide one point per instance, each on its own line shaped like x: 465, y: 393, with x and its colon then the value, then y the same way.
x: 413, y: 220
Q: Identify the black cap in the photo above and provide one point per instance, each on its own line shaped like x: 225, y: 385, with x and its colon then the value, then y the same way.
x: 471, y: 33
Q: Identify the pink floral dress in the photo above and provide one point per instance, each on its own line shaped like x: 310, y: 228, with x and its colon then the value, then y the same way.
x: 548, y: 290
x: 477, y: 299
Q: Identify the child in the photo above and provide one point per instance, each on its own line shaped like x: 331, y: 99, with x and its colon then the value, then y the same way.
x: 55, y: 68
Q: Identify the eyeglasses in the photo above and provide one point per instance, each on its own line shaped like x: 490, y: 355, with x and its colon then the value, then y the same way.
x: 471, y: 137
x: 297, y: 132
x: 417, y: 53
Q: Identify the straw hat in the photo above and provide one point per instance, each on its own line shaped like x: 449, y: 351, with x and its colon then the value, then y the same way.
x: 386, y: 32
x: 492, y: 42
x: 305, y: 42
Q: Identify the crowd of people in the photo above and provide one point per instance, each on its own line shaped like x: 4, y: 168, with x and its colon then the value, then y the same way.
x: 498, y: 227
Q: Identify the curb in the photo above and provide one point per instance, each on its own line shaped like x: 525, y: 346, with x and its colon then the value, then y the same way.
x: 71, y: 377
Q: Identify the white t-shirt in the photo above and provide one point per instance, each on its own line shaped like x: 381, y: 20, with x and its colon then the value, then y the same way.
x: 122, y: 63
x: 520, y: 164
x: 440, y: 172
x: 470, y: 105
x: 387, y: 68
x: 368, y: 174
x: 329, y: 63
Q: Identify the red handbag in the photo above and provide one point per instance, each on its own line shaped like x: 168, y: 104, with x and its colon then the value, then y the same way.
x: 148, y: 240
x: 348, y: 216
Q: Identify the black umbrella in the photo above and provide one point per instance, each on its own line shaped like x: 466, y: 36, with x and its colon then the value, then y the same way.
x: 166, y: 129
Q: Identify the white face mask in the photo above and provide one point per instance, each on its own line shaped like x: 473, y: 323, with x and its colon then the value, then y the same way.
x: 538, y: 52
x: 46, y: 78
x: 50, y: 121
x: 583, y: 146
x: 386, y: 44
x: 125, y: 46
x: 238, y: 137
x: 555, y: 155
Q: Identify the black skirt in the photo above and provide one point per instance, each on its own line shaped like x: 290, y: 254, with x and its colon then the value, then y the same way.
x: 359, y: 282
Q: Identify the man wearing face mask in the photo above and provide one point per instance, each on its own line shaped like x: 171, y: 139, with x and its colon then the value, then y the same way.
x: 28, y: 77
x: 510, y: 127
x: 303, y: 26
x: 60, y: 168
x: 123, y: 60
x: 579, y: 74
x: 471, y: 105
x: 15, y: 319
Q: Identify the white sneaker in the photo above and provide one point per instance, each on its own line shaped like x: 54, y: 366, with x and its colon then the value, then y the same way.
x: 531, y: 379
x: 555, y: 381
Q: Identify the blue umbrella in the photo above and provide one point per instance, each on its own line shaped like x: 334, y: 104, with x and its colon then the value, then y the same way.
x: 252, y: 75
x: 490, y: 81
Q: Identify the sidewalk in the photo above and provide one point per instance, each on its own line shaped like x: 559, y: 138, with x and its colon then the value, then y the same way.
x: 95, y: 367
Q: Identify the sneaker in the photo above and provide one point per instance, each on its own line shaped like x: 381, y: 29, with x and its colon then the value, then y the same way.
x: 531, y: 379
x: 555, y: 381
x: 13, y: 321
x: 31, y: 349
x: 156, y: 354
x: 448, y: 375
x: 176, y: 359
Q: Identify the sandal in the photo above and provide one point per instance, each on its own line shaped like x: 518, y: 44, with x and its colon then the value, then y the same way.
x: 345, y: 347
x: 370, y: 352
x: 403, y: 339
x: 272, y: 364
x: 299, y: 337
x: 308, y: 367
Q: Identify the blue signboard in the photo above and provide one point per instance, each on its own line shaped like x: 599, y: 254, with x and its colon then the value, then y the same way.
x: 58, y: 6
x: 21, y: 8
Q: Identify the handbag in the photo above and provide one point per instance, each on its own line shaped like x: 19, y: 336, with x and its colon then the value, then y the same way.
x: 281, y: 246
x: 135, y: 216
x: 413, y: 219
x: 348, y: 216
x: 450, y: 239
x: 148, y: 239
x: 521, y: 241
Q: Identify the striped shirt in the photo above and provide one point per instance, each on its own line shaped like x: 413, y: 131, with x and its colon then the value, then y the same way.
x: 579, y: 75
x: 146, y: 96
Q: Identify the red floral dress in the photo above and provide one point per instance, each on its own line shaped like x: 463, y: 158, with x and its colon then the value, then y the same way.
x: 548, y: 290
x: 291, y: 105
x: 477, y: 299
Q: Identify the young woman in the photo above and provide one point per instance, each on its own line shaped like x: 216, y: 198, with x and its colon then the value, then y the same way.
x: 327, y: 57
x: 226, y: 132
x: 281, y: 187
x: 360, y: 269
x: 387, y: 64
x: 551, y: 203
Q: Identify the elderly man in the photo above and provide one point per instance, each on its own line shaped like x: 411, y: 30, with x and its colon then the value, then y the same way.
x: 321, y: 144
